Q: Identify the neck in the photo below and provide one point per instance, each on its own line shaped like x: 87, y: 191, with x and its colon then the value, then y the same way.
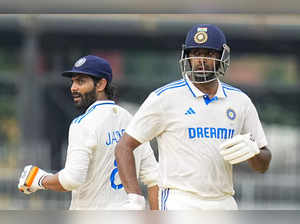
x: 209, y: 88
x: 101, y: 96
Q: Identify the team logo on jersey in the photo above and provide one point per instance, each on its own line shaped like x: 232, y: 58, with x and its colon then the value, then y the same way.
x: 80, y: 62
x: 200, y: 37
x: 231, y: 114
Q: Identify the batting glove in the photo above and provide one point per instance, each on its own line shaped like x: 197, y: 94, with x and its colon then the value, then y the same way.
x: 31, y: 179
x: 239, y: 149
x: 135, y: 202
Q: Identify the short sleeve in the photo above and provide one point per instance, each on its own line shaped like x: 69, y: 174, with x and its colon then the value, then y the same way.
x: 82, y: 137
x: 148, y: 122
x: 253, y: 125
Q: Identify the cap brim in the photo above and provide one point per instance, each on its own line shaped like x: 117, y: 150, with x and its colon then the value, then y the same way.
x: 206, y: 47
x: 74, y: 72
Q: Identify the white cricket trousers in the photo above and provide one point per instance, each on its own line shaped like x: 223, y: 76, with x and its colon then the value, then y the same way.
x: 174, y: 199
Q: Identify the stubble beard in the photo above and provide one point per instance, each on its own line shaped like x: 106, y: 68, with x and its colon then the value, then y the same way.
x: 87, y: 100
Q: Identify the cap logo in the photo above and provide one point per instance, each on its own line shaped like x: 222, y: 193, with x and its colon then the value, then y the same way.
x: 200, y: 37
x: 203, y: 29
x: 80, y: 62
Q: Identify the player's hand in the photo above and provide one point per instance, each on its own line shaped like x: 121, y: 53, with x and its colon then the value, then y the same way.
x: 31, y: 179
x: 239, y: 149
x: 135, y: 202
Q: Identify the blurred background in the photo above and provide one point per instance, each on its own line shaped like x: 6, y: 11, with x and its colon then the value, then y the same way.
x: 36, y: 106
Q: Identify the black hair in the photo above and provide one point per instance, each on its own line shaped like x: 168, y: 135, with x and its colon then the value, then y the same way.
x: 110, y: 89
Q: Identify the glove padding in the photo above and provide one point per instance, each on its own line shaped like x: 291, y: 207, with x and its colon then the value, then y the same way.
x: 31, y: 179
x: 134, y: 202
x: 239, y: 149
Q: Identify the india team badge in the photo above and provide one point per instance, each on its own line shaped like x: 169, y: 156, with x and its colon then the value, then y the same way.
x: 80, y: 62
x: 201, y: 35
x: 231, y: 114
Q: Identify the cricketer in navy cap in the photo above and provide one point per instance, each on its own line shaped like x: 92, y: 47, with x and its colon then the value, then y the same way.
x: 212, y: 38
x: 91, y: 65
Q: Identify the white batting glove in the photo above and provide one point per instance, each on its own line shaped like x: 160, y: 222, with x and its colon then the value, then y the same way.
x: 239, y: 149
x: 31, y: 179
x: 135, y: 202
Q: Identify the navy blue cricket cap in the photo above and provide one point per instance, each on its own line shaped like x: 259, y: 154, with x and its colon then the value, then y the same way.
x: 205, y: 36
x: 91, y: 65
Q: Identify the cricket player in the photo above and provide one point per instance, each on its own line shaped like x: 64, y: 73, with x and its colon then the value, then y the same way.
x: 203, y: 126
x: 91, y: 171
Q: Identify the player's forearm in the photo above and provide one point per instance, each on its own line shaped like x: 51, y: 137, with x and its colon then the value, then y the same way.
x: 51, y: 182
x: 126, y: 164
x: 261, y: 161
x: 127, y: 171
x: 153, y: 197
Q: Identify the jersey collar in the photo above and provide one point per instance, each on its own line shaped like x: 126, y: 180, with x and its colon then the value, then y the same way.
x: 100, y: 102
x: 197, y: 93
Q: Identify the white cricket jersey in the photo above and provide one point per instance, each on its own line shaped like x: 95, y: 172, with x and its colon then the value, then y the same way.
x: 97, y: 132
x: 189, y: 128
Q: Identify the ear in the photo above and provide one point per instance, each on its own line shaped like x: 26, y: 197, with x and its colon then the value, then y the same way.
x: 101, y: 84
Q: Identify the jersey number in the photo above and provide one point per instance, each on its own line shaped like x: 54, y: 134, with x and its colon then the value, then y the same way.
x: 112, y: 178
